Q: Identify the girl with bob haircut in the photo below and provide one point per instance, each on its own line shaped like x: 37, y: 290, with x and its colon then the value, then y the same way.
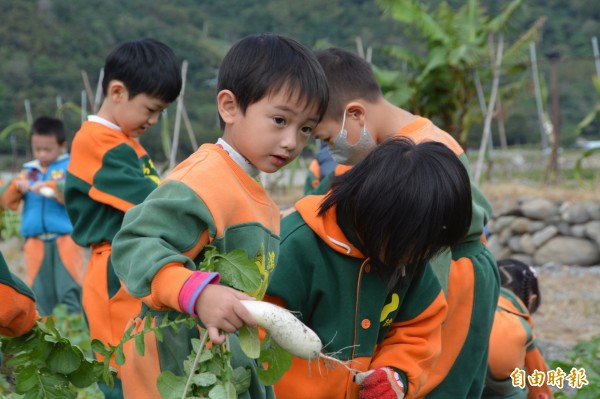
x: 355, y: 266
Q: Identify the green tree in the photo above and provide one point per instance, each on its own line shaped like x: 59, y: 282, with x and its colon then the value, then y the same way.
x: 438, y: 83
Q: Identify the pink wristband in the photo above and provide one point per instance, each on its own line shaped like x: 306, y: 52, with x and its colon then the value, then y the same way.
x: 192, y: 289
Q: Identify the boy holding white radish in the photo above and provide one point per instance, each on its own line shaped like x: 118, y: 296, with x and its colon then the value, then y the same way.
x: 354, y: 265
x: 54, y: 263
x: 271, y: 94
x: 358, y: 119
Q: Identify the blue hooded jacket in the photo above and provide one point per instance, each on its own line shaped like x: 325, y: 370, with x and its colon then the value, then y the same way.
x: 42, y: 214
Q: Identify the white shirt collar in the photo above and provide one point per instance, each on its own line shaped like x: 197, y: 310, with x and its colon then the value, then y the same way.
x: 239, y: 158
x: 102, y: 121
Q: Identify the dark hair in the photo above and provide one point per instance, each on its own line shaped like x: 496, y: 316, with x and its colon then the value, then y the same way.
x: 521, y: 279
x: 348, y: 77
x: 259, y: 65
x: 407, y: 202
x: 145, y: 66
x: 49, y: 126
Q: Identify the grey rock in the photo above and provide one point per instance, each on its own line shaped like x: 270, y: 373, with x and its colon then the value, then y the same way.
x: 568, y: 251
x: 527, y: 244
x: 519, y: 225
x: 592, y: 230
x: 539, y: 238
x: 574, y: 213
x: 539, y: 208
x: 578, y: 230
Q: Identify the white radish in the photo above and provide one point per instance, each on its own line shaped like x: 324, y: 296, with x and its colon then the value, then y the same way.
x: 47, y: 192
x: 285, y: 328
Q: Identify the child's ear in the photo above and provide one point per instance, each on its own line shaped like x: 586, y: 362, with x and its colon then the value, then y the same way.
x: 117, y: 91
x: 227, y: 105
x: 357, y: 111
x: 532, y: 299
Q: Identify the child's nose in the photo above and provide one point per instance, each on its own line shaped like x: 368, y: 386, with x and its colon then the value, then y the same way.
x: 289, y: 139
x: 154, y: 118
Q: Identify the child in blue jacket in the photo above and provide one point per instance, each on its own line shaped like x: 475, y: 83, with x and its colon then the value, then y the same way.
x: 53, y: 262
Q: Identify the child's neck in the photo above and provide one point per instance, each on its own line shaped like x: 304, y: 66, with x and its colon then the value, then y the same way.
x: 392, y: 118
x: 238, y: 158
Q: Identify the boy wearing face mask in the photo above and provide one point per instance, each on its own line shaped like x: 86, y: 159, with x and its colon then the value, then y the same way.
x: 357, y: 120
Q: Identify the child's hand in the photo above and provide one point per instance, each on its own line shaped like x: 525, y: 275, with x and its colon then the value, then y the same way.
x: 219, y: 308
x: 381, y: 383
x: 37, y: 186
x: 22, y: 185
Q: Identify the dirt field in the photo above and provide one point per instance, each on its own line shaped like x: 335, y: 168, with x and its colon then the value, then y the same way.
x: 570, y: 310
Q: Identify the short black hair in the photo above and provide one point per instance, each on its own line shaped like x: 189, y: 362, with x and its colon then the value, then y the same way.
x: 348, y: 76
x: 407, y: 202
x: 49, y: 126
x: 261, y: 64
x: 145, y: 66
x: 522, y: 280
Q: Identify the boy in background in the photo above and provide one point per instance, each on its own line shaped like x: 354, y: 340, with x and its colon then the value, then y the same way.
x: 54, y: 263
x: 271, y: 94
x: 358, y: 119
x: 111, y: 172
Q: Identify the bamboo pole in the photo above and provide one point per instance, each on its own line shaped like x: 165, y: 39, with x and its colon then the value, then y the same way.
x: 98, y: 97
x: 173, y: 158
x: 490, y: 109
x: 538, y: 97
x: 88, y: 87
x: 188, y: 127
x: 596, y: 56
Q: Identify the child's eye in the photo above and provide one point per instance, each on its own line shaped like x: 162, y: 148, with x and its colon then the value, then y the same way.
x: 279, y: 120
x: 307, y: 130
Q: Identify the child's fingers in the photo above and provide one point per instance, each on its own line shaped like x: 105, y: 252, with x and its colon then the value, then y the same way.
x: 244, y: 315
x: 215, y: 336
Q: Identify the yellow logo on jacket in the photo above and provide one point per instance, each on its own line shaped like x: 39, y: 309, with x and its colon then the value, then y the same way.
x: 389, y: 308
x: 266, y: 265
x: 150, y: 172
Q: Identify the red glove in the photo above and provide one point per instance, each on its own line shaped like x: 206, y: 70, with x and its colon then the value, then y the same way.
x: 381, y: 383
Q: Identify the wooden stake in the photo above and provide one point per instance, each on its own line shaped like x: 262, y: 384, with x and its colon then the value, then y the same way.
x: 490, y: 109
x: 172, y: 159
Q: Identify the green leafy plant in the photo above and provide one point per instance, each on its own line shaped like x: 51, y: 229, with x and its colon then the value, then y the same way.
x: 45, y: 363
x: 209, y: 373
x: 585, y: 355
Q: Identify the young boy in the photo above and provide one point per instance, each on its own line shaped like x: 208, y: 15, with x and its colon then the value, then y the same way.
x: 512, y: 342
x: 54, y: 264
x: 17, y: 313
x: 271, y: 94
x: 367, y: 289
x: 358, y: 119
x: 111, y: 172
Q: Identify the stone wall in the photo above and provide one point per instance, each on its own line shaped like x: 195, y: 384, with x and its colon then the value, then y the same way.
x: 540, y: 231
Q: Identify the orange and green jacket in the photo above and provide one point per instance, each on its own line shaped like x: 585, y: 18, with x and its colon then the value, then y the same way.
x: 422, y: 129
x: 17, y: 313
x: 322, y: 275
x: 109, y: 173
x: 207, y: 199
x: 513, y: 345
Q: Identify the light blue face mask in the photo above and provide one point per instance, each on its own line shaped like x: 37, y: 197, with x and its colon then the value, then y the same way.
x: 344, y: 153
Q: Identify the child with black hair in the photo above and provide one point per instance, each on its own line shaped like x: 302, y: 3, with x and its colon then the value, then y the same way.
x: 512, y: 341
x: 358, y: 119
x: 271, y: 94
x: 111, y: 172
x: 54, y: 263
x: 355, y: 266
